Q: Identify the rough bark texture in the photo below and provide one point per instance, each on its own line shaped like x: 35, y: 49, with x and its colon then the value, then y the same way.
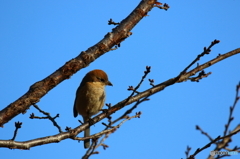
x: 39, y: 89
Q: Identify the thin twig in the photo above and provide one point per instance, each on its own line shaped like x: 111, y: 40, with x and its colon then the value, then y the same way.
x: 230, y: 118
x: 18, y: 125
x: 91, y: 151
x: 205, y: 52
x: 206, y: 134
x: 148, y: 68
x: 52, y: 119
x: 226, y: 138
x: 131, y: 109
x: 95, y: 137
x: 212, y: 142
x: 111, y: 22
x: 41, y: 88
x: 188, y: 151
x: 157, y: 88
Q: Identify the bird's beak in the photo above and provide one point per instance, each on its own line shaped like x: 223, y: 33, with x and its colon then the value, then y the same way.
x: 109, y: 83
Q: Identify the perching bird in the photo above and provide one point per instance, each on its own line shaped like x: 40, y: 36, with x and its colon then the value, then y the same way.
x: 90, y: 97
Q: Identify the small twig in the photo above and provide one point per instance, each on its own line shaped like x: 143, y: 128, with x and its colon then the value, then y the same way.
x: 200, y: 76
x: 230, y: 118
x: 130, y: 110
x: 111, y: 130
x: 206, y: 134
x: 206, y: 146
x: 205, y: 52
x: 210, y: 143
x: 148, y: 69
x: 25, y: 145
x: 68, y: 129
x: 17, y: 126
x: 227, y: 140
x: 151, y: 82
x: 91, y: 151
x: 114, y: 48
x: 236, y: 148
x: 95, y: 137
x: 188, y: 151
x: 52, y: 119
x: 103, y: 139
x: 111, y: 22
x: 32, y: 116
x: 80, y: 122
x: 138, y: 114
x: 165, y: 6
x: 109, y: 105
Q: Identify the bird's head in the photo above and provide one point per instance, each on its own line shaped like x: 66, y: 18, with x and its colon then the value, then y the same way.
x: 97, y: 76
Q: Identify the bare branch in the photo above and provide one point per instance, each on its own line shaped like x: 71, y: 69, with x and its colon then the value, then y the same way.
x: 230, y: 118
x: 204, y: 133
x: 130, y: 110
x: 223, y: 141
x: 113, y: 109
x: 94, y: 145
x: 209, y: 63
x: 212, y: 142
x: 148, y: 68
x: 111, y: 22
x: 188, y: 151
x: 165, y: 6
x: 52, y: 119
x: 18, y: 125
x: 41, y: 88
x: 205, y: 52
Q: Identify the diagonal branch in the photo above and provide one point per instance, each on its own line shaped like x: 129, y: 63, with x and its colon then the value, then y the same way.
x: 41, y: 88
x: 113, y: 109
x: 212, y: 142
x: 230, y: 118
x: 220, y: 142
x: 209, y: 63
x: 97, y: 144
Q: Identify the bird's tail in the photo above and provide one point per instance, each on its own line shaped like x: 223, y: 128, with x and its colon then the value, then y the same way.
x: 87, y: 141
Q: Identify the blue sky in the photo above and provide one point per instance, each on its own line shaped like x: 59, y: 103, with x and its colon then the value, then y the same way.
x: 38, y: 37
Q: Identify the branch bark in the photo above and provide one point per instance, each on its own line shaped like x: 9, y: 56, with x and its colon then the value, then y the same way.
x: 72, y: 133
x: 41, y: 88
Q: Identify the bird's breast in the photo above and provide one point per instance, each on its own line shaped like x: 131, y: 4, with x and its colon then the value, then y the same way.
x: 91, y: 99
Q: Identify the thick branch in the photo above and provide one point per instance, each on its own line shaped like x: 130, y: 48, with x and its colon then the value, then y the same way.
x: 39, y: 89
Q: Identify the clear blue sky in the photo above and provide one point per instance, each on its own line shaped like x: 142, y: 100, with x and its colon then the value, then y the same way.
x: 38, y: 37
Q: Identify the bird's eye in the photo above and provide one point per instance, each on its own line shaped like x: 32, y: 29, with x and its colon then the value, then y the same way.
x: 101, y: 79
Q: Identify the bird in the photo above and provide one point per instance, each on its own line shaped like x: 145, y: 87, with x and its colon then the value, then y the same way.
x: 90, y: 97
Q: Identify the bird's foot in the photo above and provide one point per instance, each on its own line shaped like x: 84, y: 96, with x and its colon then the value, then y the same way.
x: 91, y: 121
